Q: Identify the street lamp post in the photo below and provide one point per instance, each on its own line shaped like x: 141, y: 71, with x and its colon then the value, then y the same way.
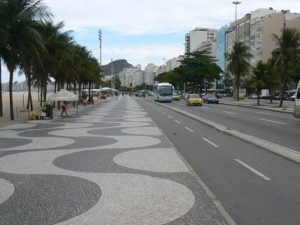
x: 235, y: 91
x: 235, y: 23
x: 100, y: 46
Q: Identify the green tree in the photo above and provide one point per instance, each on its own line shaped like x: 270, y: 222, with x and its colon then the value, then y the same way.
x: 286, y: 56
x: 197, y: 69
x: 19, y: 20
x: 238, y: 64
x: 260, y: 73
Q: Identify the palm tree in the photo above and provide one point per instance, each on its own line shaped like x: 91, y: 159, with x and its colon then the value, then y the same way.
x: 287, y: 54
x: 58, y: 46
x: 238, y: 64
x: 19, y: 21
x: 260, y: 73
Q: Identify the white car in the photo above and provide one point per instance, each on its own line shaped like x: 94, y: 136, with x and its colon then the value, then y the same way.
x: 293, y: 97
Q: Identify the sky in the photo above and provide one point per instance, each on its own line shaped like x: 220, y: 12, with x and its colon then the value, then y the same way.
x: 144, y: 31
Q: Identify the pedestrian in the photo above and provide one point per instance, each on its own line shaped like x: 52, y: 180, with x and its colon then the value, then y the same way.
x: 64, y: 109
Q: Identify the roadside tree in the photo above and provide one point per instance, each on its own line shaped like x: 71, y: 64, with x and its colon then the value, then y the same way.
x: 238, y: 64
x: 286, y: 55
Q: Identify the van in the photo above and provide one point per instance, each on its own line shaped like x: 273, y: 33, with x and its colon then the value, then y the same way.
x: 297, y: 102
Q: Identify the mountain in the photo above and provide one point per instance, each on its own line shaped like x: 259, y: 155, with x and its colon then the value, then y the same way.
x: 118, y: 66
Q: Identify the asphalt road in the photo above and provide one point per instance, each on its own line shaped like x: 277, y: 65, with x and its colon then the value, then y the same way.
x: 255, y: 186
x: 280, y: 128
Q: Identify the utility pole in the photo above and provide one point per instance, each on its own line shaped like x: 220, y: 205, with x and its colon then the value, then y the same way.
x: 235, y: 89
x: 100, y: 46
x: 236, y: 3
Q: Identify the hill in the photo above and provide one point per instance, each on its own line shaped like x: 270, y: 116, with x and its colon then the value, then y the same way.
x: 118, y: 66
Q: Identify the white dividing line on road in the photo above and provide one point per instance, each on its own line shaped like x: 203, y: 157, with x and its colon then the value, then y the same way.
x: 264, y: 113
x: 189, y: 129
x: 210, y: 142
x: 177, y: 121
x: 273, y: 121
x: 229, y: 112
x: 170, y: 117
x: 253, y: 170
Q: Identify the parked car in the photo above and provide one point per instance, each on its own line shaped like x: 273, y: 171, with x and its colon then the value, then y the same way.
x: 193, y: 99
x: 209, y: 98
x: 175, y: 97
x: 293, y: 97
x: 252, y: 96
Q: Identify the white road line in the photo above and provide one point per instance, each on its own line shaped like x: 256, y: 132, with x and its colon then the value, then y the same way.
x: 263, y: 113
x: 273, y: 121
x: 253, y: 170
x: 170, y: 117
x: 210, y: 142
x: 177, y: 121
x: 189, y: 129
x: 229, y: 112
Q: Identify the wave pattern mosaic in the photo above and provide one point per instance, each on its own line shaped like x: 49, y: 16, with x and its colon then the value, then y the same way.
x: 110, y: 165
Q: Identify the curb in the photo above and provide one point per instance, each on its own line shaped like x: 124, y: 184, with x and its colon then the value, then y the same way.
x: 258, y: 107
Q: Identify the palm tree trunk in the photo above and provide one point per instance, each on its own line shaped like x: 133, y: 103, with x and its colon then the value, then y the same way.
x: 283, y: 83
x: 29, y: 101
x: 10, y: 85
x: 45, y: 91
x: 1, y: 102
x: 237, y: 88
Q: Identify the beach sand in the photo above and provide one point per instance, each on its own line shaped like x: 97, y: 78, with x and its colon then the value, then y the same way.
x: 20, y: 104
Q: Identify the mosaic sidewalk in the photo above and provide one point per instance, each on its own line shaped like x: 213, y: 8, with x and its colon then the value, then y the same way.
x: 110, y: 165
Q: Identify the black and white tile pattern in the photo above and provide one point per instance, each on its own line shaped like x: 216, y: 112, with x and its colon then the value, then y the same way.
x: 110, y: 165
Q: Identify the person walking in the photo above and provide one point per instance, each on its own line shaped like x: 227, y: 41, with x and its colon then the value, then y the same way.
x: 64, y: 109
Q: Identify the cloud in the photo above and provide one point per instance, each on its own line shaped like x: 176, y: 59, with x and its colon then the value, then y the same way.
x: 145, y: 54
x: 133, y: 17
x: 126, y: 23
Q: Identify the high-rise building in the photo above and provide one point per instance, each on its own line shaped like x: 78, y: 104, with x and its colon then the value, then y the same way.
x: 220, y: 40
x: 200, y: 39
x: 256, y: 31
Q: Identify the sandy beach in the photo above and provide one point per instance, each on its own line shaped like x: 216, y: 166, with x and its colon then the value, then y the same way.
x: 20, y: 103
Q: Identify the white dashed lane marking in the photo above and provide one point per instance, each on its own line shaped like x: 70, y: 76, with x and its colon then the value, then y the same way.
x: 189, y: 129
x: 253, y: 170
x: 273, y: 121
x: 210, y: 142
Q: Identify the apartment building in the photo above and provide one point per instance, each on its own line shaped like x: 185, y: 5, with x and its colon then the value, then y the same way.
x: 150, y: 73
x: 200, y: 38
x: 220, y: 42
x: 256, y: 31
x: 173, y: 63
x: 131, y: 77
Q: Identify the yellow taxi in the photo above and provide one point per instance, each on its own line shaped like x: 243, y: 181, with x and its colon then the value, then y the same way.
x: 175, y: 97
x: 193, y: 99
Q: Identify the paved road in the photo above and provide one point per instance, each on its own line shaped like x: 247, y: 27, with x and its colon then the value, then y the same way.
x: 255, y: 186
x: 110, y: 165
x: 279, y: 128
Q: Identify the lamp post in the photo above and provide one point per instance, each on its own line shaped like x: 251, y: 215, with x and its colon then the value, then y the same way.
x: 100, y: 46
x: 235, y: 91
x: 235, y: 23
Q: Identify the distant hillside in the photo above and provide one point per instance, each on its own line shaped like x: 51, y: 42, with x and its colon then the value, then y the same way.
x: 118, y: 66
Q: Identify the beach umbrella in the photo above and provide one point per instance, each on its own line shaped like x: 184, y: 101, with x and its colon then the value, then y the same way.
x: 63, y: 95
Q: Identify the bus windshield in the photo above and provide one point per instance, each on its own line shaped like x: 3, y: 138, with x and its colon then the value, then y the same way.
x: 165, y: 90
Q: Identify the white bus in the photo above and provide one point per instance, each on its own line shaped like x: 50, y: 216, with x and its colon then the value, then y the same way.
x: 297, y: 102
x: 163, y: 92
